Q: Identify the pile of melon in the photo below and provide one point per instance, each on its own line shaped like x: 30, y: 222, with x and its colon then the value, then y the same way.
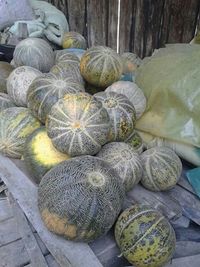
x: 83, y: 149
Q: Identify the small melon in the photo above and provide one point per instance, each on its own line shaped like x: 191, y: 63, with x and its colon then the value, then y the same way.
x: 40, y: 155
x: 145, y: 237
x: 125, y: 160
x: 5, y: 70
x: 70, y: 58
x: 80, y: 198
x: 75, y: 51
x: 18, y: 83
x: 74, y: 40
x: 162, y: 168
x: 130, y: 62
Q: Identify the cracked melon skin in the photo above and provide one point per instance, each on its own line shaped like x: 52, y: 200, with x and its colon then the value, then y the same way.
x: 145, y: 237
x: 80, y: 198
x: 46, y: 90
x: 162, y: 168
x: 40, y: 155
x: 5, y: 102
x: 121, y: 112
x: 16, y: 124
x: 78, y: 125
x: 125, y: 160
x: 101, y: 66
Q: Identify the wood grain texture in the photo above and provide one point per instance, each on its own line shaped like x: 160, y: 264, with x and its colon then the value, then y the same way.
x: 112, y: 24
x: 60, y: 4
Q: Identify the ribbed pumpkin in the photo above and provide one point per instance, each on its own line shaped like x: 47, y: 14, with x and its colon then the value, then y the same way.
x: 70, y: 58
x: 5, y: 70
x: 145, y: 237
x: 34, y: 52
x: 18, y: 83
x: 73, y: 40
x: 65, y: 70
x: 5, y: 102
x: 80, y: 198
x: 46, y: 90
x: 125, y: 160
x: 136, y: 142
x: 130, y: 62
x: 75, y: 51
x: 132, y: 92
x: 121, y: 112
x: 40, y: 155
x: 101, y: 66
x: 78, y: 125
x: 162, y: 168
x: 16, y: 124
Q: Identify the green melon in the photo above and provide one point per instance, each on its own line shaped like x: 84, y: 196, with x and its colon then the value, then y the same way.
x: 132, y: 92
x: 18, y: 83
x: 80, y: 198
x: 101, y: 66
x: 5, y: 70
x: 65, y: 56
x: 40, y: 155
x: 145, y: 237
x: 135, y: 141
x: 125, y: 160
x: 34, y: 52
x: 162, y: 168
x: 78, y: 125
x: 5, y: 102
x: 74, y: 40
x: 46, y: 90
x: 16, y: 124
x: 121, y: 112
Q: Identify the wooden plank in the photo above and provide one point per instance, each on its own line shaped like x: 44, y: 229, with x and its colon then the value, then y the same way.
x: 65, y: 252
x: 14, y: 254
x: 192, y: 261
x: 179, y: 21
x: 158, y: 200
x: 97, y: 22
x: 60, y: 4
x: 77, y: 16
x: 41, y: 244
x: 8, y: 232
x: 112, y: 24
x: 51, y: 261
x: 5, y: 210
x: 35, y: 254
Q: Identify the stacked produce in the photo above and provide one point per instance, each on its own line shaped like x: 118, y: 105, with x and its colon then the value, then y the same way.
x: 87, y: 155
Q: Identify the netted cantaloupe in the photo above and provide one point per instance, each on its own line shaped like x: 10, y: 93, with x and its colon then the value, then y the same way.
x: 145, y: 237
x: 16, y: 124
x: 121, y: 112
x: 78, y: 125
x: 46, y: 90
x: 136, y: 142
x: 5, y: 102
x: 74, y: 40
x: 40, y: 155
x: 80, y: 198
x: 125, y: 160
x: 101, y: 66
x: 18, y: 83
x: 162, y: 168
x: 34, y: 52
x: 70, y: 58
x: 132, y: 92
x: 5, y: 70
x: 74, y: 51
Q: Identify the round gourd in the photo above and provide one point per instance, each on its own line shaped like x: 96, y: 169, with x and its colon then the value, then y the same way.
x: 5, y: 102
x: 162, y: 168
x: 65, y: 70
x: 125, y: 160
x: 75, y: 51
x: 145, y: 237
x: 16, y: 124
x: 130, y: 62
x: 78, y: 125
x: 80, y: 198
x: 18, y: 83
x: 63, y: 56
x: 121, y: 112
x: 5, y: 70
x: 132, y: 92
x: 74, y: 40
x: 34, y: 52
x: 40, y: 155
x: 101, y: 66
x: 46, y: 90
x: 136, y: 142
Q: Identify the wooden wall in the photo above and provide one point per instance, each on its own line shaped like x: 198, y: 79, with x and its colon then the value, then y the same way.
x: 144, y: 24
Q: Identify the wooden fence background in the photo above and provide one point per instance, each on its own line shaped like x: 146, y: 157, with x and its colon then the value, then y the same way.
x: 144, y: 24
